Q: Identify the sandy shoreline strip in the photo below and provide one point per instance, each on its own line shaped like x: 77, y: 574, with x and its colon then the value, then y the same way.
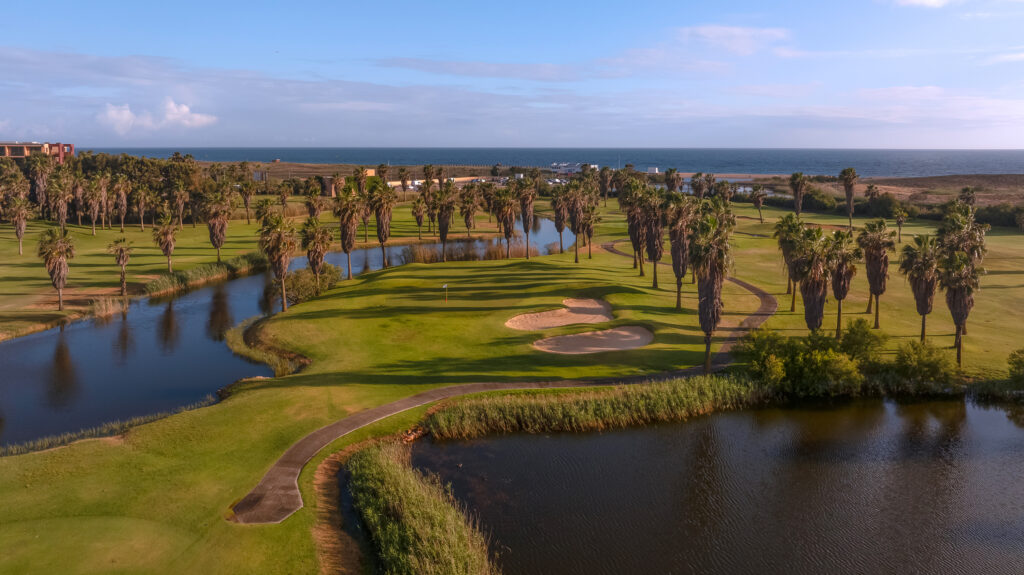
x: 575, y: 311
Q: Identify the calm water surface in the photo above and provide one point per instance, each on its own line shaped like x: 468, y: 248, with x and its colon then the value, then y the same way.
x: 872, y: 487
x: 161, y: 355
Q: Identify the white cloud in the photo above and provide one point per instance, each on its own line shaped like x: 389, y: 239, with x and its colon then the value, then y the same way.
x: 736, y: 39
x: 123, y: 120
x: 540, y: 72
x: 1005, y: 58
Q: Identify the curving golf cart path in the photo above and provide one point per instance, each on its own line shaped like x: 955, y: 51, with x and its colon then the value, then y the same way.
x: 277, y: 495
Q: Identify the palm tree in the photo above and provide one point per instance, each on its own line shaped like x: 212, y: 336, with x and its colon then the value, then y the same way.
x: 122, y: 189
x: 382, y: 199
x: 382, y: 172
x: 787, y: 230
x: 630, y: 202
x: 757, y: 195
x: 61, y: 193
x: 900, y: 215
x: 428, y: 177
x: 419, y: 209
x: 842, y: 254
x: 653, y: 236
x: 590, y: 221
x: 278, y: 241
x: 968, y: 195
x: 577, y: 203
x: 40, y: 166
x: 284, y: 190
x: 403, y: 178
x: 217, y: 207
x: 961, y: 232
x: 697, y: 185
x: 849, y: 178
x: 263, y: 209
x: 504, y: 202
x: 141, y: 194
x: 55, y: 249
x: 93, y: 202
x: 164, y: 237
x: 960, y: 278
x: 872, y: 192
x: 182, y: 197
x: 681, y: 212
x: 673, y: 180
x: 347, y: 208
x: 710, y: 257
x: 445, y: 200
x: 798, y: 184
x: 469, y: 203
x: 247, y: 191
x: 560, y: 209
x: 428, y: 199
x: 316, y: 240
x: 526, y: 194
x: 605, y: 181
x: 121, y: 249
x: 920, y: 263
x: 19, y: 212
x: 876, y: 240
x: 812, y: 262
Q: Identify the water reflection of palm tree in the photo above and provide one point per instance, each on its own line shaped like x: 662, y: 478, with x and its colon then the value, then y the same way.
x: 366, y: 261
x: 63, y: 379
x: 267, y: 296
x: 124, y: 342
x: 220, y: 320
x: 167, y: 329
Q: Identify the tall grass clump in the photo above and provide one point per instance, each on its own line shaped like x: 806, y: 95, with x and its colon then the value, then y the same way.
x: 106, y: 307
x: 108, y: 429
x: 428, y: 254
x: 414, y: 523
x: 201, y: 274
x: 607, y: 408
x: 496, y: 251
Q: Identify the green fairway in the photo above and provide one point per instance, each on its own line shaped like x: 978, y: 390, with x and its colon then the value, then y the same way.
x: 158, y: 500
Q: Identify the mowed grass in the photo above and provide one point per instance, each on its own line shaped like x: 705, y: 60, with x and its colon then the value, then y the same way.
x: 28, y: 301
x: 158, y: 501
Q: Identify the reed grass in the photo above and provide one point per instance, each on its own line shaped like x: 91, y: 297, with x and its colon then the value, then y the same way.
x: 414, y: 522
x: 592, y: 410
x: 108, y: 306
x: 205, y: 273
x: 108, y: 429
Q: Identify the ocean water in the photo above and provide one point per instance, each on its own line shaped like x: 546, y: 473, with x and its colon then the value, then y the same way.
x: 869, y: 163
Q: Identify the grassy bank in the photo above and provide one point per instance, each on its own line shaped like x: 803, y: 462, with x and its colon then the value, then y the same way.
x: 592, y: 410
x: 205, y: 273
x: 415, y: 524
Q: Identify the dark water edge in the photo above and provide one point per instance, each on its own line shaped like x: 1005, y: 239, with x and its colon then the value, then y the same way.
x: 164, y: 353
x: 867, y: 487
x: 869, y: 163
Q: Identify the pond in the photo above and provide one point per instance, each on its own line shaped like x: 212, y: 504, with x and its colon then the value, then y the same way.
x: 164, y: 353
x: 868, y: 487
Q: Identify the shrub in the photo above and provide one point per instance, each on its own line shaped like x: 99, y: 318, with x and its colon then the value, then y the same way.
x: 922, y: 368
x: 862, y: 343
x: 810, y: 366
x: 301, y: 285
x: 1016, y: 364
x: 204, y: 273
x: 816, y: 200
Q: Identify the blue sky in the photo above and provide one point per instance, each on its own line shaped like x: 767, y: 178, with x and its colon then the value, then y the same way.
x: 838, y: 74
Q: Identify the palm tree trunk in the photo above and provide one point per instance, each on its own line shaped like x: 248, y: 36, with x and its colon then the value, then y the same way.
x: 169, y: 269
x: 707, y: 353
x: 839, y: 318
x: 444, y: 251
x: 923, y: 319
x: 792, y: 304
x: 366, y: 228
x: 878, y: 306
x: 693, y: 276
x: 654, y: 266
x: 218, y: 255
x: 634, y: 259
x: 640, y: 259
x: 679, y: 293
x: 527, y: 244
x: 384, y: 256
x: 760, y: 215
x: 963, y: 329
x: 348, y: 260
x: 93, y: 227
x: 871, y: 300
x: 124, y: 283
x: 508, y: 248
x: 20, y: 251
x: 851, y: 221
x: 122, y: 223
x: 959, y: 346
x: 577, y: 242
x: 419, y: 232
x: 590, y: 254
x: 284, y: 297
x: 789, y: 284
x: 60, y: 299
x: 561, y: 248
x: 247, y: 222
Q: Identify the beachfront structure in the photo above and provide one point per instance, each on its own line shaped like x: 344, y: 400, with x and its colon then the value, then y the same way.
x: 567, y: 169
x: 26, y: 149
x: 653, y: 170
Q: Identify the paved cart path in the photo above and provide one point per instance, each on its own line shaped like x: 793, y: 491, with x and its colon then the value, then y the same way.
x: 277, y: 495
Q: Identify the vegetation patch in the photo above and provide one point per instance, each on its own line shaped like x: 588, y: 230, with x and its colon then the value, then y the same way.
x: 245, y: 339
x: 414, y: 522
x: 606, y: 408
x: 206, y: 273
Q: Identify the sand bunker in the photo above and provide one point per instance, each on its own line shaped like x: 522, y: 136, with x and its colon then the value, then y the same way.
x: 620, y: 338
x: 575, y: 311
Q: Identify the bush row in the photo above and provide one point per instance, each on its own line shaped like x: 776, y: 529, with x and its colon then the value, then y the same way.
x: 204, y: 273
